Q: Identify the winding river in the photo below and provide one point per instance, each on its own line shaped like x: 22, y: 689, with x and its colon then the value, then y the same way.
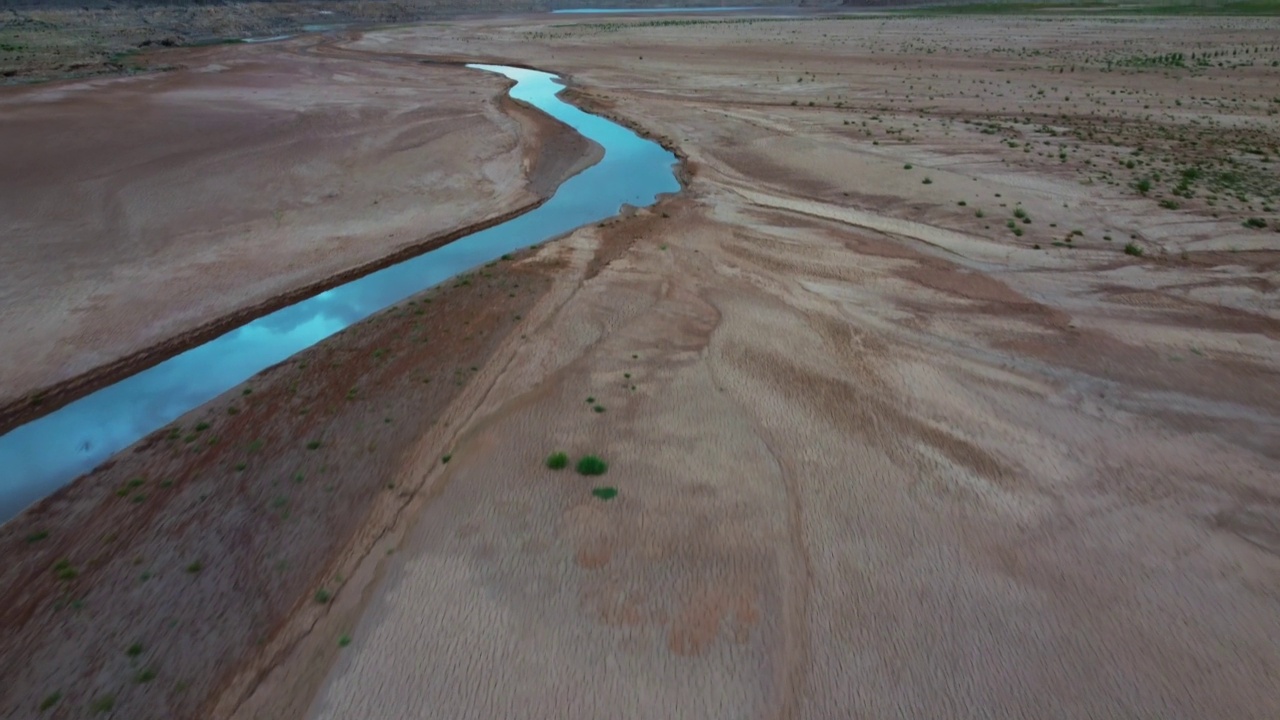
x: 47, y: 453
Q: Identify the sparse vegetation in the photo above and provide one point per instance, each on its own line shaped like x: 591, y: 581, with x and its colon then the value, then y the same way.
x: 1132, y: 249
x: 102, y: 704
x: 592, y: 465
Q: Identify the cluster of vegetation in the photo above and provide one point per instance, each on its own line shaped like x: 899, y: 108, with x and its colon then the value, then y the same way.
x: 587, y: 464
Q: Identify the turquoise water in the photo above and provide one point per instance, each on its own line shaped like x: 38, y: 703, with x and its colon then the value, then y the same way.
x: 594, y: 11
x: 45, y: 454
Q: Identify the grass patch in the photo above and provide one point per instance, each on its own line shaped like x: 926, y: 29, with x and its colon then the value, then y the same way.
x: 605, y: 492
x: 1255, y: 223
x: 145, y: 676
x: 37, y: 536
x: 592, y: 465
x: 63, y: 570
x: 103, y: 704
x: 558, y: 461
x: 50, y: 701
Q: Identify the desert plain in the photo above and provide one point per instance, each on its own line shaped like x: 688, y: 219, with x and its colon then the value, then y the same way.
x: 946, y: 387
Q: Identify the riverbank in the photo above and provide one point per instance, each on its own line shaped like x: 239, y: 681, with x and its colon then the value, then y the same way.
x: 264, y: 516
x: 215, y: 203
x: 200, y: 543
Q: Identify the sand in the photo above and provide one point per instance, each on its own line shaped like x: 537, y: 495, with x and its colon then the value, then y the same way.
x: 875, y: 453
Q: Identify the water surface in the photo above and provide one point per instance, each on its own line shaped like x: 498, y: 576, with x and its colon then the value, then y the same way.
x: 595, y: 11
x: 45, y: 454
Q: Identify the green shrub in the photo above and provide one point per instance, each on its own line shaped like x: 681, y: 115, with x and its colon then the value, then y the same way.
x: 1131, y: 249
x: 605, y: 493
x: 592, y: 465
x: 558, y: 461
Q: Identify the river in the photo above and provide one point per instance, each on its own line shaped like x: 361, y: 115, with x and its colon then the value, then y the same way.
x: 43, y: 455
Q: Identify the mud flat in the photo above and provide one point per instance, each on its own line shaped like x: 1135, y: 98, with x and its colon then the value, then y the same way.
x: 87, y: 574
x: 897, y: 425
x: 143, y: 215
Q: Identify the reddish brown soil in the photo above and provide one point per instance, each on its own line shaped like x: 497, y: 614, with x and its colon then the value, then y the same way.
x: 236, y: 490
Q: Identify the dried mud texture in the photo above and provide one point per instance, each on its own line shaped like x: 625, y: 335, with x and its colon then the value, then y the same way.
x: 145, y: 215
x: 876, y: 455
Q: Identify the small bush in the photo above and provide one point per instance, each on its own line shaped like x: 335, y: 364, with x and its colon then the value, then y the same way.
x: 926, y: 181
x: 195, y: 567
x: 322, y: 596
x: 313, y: 444
x: 558, y: 461
x: 592, y: 465
x: 145, y: 676
x: 605, y: 493
x: 1131, y: 249
x: 50, y: 701
x: 103, y: 704
x: 1255, y: 223
x: 344, y: 641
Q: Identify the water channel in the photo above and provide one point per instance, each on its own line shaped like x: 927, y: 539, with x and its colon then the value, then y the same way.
x: 43, y: 455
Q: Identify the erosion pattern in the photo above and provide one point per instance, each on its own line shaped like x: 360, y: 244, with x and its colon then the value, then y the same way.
x: 949, y: 387
x: 876, y: 453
